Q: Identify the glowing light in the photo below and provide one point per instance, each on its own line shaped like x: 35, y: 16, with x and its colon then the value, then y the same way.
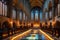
x: 48, y: 24
x: 11, y: 22
x: 35, y: 31
x: 43, y: 24
x: 18, y: 24
x: 36, y: 25
x: 53, y: 23
x: 46, y: 35
x: 21, y: 35
x: 29, y: 24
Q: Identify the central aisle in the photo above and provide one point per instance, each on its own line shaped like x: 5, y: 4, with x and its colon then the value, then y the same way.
x: 34, y: 36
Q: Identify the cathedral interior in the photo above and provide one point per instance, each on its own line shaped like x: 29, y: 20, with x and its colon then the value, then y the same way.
x: 29, y: 19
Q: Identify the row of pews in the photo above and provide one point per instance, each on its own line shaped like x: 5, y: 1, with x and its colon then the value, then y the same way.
x: 53, y: 28
x: 6, y: 30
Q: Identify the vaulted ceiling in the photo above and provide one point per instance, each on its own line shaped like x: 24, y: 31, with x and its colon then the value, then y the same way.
x: 38, y: 3
x: 27, y: 5
x: 33, y: 3
x: 23, y: 4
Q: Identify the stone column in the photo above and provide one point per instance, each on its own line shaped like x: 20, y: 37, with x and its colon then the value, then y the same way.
x: 30, y: 17
x: 43, y: 15
x: 59, y: 8
x: 53, y: 9
x: 34, y: 15
x: 48, y: 15
x: 59, y: 1
x: 26, y: 19
x: 39, y: 16
x: 56, y: 11
x: 17, y: 14
x: 22, y: 15
x: 9, y: 9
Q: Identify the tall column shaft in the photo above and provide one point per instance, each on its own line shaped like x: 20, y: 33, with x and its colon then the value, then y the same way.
x: 17, y: 15
x: 48, y: 15
x: 59, y: 8
x: 22, y: 16
x: 43, y: 15
x: 34, y: 15
x: 53, y: 9
x: 56, y: 11
x: 39, y: 16
x: 9, y: 9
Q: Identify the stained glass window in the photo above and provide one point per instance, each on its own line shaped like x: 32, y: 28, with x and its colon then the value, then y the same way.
x: 3, y: 9
x: 40, y: 15
x: 46, y: 16
x: 13, y: 14
x: 36, y: 14
x: 24, y: 16
x: 20, y: 15
x: 32, y: 15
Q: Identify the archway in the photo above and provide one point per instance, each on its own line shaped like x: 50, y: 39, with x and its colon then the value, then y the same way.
x: 36, y: 14
x: 5, y: 29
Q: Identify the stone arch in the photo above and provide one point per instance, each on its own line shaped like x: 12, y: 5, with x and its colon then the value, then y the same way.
x: 5, y: 24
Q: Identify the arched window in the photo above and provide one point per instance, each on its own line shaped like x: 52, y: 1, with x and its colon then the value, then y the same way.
x: 13, y: 14
x: 50, y: 14
x: 20, y: 15
x: 24, y: 16
x: 46, y: 15
x: 32, y: 15
x: 0, y: 8
x: 36, y: 14
x: 3, y: 9
x: 40, y: 15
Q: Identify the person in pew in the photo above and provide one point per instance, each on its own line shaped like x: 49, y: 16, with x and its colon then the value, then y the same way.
x: 14, y: 28
x: 57, y: 29
x: 46, y: 26
x: 41, y: 25
x: 31, y: 25
x: 50, y: 27
x: 5, y: 28
x: 0, y: 33
x: 21, y: 27
x: 53, y: 27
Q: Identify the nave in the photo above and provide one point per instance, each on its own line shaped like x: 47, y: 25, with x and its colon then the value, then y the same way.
x: 29, y: 19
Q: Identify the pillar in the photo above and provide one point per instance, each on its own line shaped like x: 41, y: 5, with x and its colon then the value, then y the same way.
x: 30, y: 17
x: 17, y: 14
x: 34, y: 14
x: 53, y: 9
x: 9, y: 9
x: 56, y: 10
x: 48, y: 15
x: 39, y: 16
x: 22, y: 16
x: 26, y: 19
x: 59, y: 8
x: 43, y: 15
